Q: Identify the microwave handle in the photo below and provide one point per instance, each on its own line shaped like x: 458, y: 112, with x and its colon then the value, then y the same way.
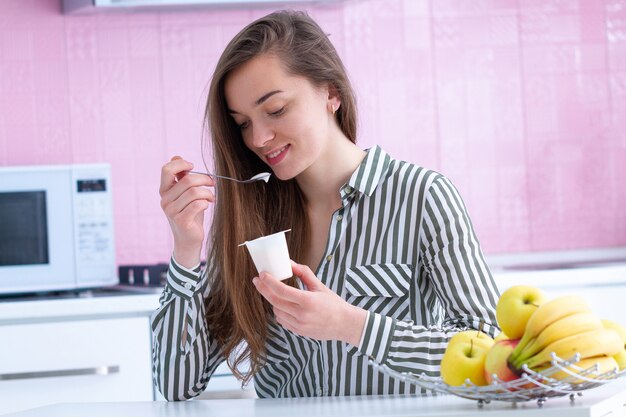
x: 98, y: 370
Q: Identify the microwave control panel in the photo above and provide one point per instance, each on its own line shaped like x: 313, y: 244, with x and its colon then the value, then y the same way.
x: 93, y: 223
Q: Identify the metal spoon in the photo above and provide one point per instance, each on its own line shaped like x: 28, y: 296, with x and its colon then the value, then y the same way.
x: 263, y: 176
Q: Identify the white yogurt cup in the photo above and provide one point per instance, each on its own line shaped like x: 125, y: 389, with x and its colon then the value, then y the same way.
x: 270, y: 254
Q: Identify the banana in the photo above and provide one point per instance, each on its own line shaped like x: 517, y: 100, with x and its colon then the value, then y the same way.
x: 547, y: 314
x: 592, y: 343
x: 603, y: 363
x: 564, y: 327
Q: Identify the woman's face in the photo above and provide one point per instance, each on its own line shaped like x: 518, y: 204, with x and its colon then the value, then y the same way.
x: 283, y: 119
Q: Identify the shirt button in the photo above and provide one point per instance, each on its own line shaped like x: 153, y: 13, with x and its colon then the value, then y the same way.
x: 329, y: 257
x: 188, y: 286
x: 339, y: 217
x: 349, y: 190
x: 319, y: 392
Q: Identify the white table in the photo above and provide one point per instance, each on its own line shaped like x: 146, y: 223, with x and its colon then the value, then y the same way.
x: 607, y: 400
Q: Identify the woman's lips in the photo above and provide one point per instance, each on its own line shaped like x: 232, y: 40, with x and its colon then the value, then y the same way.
x: 277, y: 156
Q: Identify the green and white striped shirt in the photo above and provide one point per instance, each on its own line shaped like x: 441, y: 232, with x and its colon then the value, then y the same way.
x: 401, y: 247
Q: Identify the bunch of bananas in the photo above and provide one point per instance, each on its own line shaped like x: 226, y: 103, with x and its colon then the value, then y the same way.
x: 565, y: 326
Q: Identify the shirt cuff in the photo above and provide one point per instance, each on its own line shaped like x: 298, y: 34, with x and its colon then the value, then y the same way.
x: 183, y: 281
x: 376, y: 338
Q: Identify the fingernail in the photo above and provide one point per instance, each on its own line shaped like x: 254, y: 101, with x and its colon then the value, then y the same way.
x: 255, y: 281
x: 262, y: 275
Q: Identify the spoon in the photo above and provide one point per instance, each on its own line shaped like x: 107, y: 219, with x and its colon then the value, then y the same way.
x: 263, y: 176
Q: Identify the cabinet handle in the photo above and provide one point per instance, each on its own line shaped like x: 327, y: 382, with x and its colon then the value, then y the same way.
x: 98, y: 370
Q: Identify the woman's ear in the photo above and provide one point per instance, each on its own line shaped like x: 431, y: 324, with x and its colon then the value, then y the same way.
x: 333, y: 98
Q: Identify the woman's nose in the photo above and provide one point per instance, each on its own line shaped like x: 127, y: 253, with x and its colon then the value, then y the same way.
x: 262, y: 133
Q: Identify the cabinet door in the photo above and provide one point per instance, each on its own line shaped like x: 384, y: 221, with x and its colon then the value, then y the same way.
x: 89, y: 360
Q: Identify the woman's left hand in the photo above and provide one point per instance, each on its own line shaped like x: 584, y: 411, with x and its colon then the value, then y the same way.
x: 317, y: 313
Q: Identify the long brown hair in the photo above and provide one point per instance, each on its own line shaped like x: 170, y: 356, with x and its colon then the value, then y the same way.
x: 235, y: 311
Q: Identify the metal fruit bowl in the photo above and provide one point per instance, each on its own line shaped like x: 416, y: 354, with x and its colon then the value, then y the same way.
x: 530, y: 386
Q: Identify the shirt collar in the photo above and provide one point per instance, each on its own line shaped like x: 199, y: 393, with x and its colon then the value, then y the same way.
x: 369, y: 173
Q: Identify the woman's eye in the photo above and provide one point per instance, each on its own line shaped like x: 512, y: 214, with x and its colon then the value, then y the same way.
x: 278, y: 112
x: 243, y: 125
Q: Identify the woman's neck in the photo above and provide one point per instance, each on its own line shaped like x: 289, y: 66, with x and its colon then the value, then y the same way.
x: 321, y: 182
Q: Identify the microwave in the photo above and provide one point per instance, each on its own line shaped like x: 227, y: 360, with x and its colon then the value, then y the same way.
x: 56, y: 228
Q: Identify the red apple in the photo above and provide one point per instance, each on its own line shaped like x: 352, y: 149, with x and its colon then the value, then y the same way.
x: 497, y: 361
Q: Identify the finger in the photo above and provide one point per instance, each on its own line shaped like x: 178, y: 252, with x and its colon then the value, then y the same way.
x: 280, y: 289
x: 170, y: 172
x: 286, y: 320
x: 307, y: 276
x: 172, y: 208
x: 277, y: 292
x: 182, y: 186
x: 272, y: 298
x: 187, y: 217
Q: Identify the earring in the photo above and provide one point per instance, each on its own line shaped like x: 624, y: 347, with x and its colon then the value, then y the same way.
x: 333, y: 108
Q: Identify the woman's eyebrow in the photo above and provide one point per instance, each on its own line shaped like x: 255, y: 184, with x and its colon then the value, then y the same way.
x: 266, y: 96
x: 260, y: 100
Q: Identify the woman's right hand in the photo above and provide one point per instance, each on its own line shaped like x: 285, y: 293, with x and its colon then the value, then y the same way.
x: 184, y: 199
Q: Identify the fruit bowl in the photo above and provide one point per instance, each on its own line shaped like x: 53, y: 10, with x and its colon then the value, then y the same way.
x: 530, y: 386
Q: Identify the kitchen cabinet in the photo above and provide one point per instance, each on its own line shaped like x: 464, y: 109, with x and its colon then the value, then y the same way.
x: 91, y: 347
x: 94, y: 346
x: 81, y: 360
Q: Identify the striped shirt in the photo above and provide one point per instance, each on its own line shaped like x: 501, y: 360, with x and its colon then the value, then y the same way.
x: 401, y: 247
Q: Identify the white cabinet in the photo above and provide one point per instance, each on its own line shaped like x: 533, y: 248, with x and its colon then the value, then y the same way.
x: 84, y: 349
x: 90, y: 360
x: 75, y: 350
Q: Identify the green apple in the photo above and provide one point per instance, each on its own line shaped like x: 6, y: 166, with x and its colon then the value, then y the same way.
x: 464, y: 360
x: 515, y: 307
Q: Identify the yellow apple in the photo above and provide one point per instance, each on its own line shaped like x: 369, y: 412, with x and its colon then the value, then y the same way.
x: 515, y: 307
x: 497, y: 361
x: 464, y: 360
x: 475, y: 335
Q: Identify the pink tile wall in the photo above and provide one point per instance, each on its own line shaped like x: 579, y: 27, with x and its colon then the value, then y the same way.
x: 522, y: 103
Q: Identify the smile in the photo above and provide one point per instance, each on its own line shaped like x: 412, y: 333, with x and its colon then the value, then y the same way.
x: 275, y: 157
x: 278, y: 152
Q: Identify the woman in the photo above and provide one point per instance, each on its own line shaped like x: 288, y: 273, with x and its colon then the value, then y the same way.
x: 388, y: 267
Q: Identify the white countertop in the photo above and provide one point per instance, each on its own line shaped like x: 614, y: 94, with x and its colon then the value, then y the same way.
x: 601, y: 401
x: 582, y: 276
x: 84, y: 305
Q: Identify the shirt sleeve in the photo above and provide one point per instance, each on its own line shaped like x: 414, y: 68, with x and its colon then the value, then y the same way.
x: 184, y: 354
x: 456, y: 269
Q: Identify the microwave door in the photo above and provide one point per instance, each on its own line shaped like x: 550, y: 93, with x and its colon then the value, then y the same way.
x: 23, y: 225
x: 36, y: 249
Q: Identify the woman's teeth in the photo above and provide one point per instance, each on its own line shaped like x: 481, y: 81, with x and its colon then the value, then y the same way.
x: 275, y: 154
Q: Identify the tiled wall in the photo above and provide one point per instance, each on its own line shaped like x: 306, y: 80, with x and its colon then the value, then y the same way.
x: 522, y: 103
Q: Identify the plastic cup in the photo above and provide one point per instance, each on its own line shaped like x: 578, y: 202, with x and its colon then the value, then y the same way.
x: 270, y: 254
